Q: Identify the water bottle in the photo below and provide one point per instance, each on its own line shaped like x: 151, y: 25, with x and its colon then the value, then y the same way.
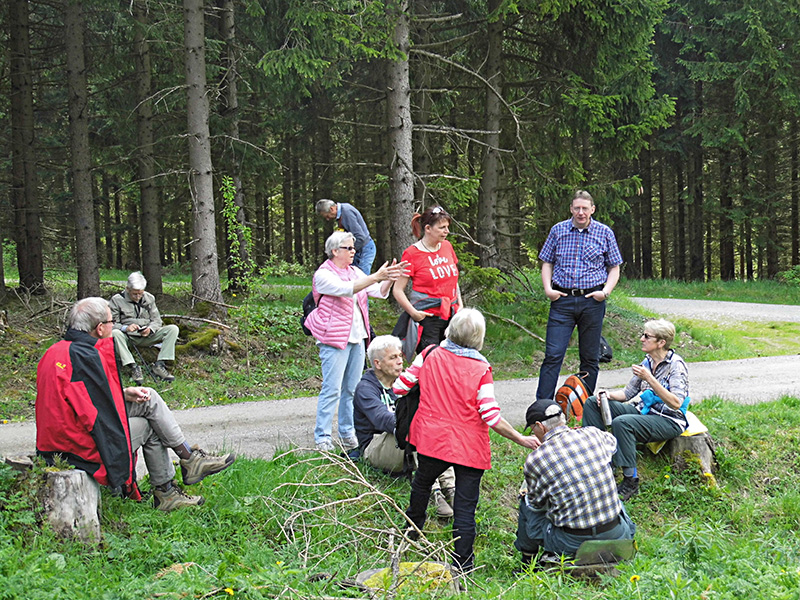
x: 604, y: 408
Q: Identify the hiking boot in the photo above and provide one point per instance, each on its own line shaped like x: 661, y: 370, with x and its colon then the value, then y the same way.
x: 174, y: 497
x: 449, y: 495
x: 443, y: 509
x: 200, y: 465
x: 350, y: 442
x: 160, y: 371
x: 136, y: 374
x: 628, y: 487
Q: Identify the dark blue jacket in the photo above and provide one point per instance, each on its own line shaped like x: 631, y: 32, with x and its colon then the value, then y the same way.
x: 370, y: 415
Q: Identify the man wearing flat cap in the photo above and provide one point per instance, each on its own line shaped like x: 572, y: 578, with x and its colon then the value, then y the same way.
x: 570, y: 494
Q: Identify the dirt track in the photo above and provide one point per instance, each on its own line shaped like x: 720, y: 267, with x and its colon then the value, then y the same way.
x: 257, y: 428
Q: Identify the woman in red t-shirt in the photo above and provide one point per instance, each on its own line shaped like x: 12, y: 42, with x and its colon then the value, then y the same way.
x: 433, y: 271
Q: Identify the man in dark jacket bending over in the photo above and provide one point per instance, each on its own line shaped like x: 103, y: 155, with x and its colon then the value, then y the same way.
x: 85, y: 416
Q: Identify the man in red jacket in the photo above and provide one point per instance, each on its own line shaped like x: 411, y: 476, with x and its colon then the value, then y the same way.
x: 85, y: 416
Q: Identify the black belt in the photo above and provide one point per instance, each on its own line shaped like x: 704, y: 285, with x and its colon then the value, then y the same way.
x: 577, y: 291
x: 602, y: 528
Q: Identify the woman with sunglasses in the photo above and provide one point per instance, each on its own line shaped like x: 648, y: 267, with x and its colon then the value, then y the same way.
x: 659, y: 395
x: 340, y: 324
x: 433, y: 271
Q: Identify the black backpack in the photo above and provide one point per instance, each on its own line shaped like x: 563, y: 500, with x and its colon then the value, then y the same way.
x: 404, y: 410
x: 308, y: 306
x: 606, y: 353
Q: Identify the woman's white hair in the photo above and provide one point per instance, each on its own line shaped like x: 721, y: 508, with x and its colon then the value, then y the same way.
x: 335, y: 240
x: 467, y: 328
x: 136, y: 281
x: 87, y: 314
x: 662, y: 329
x: 378, y: 347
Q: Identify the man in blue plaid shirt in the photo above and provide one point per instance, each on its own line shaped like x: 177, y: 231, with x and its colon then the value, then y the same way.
x: 570, y: 493
x: 580, y: 267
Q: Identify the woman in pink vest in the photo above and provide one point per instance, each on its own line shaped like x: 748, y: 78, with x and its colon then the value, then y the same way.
x: 451, y: 426
x: 340, y: 324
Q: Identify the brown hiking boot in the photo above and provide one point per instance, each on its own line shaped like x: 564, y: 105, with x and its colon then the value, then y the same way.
x: 160, y: 371
x: 200, y: 465
x: 174, y: 497
x: 136, y: 374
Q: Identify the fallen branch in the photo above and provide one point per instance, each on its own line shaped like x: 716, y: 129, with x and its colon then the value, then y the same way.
x: 513, y: 322
x: 202, y: 320
x: 214, y: 302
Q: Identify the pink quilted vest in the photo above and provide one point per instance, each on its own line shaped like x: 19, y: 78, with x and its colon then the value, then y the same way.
x: 331, y: 321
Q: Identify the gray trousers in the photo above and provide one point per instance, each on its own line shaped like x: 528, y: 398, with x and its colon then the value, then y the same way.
x: 630, y: 427
x: 382, y: 453
x: 167, y: 336
x: 154, y: 430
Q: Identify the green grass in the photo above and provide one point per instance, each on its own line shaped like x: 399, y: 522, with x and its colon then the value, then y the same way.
x: 763, y: 291
x: 297, y: 526
x: 267, y: 356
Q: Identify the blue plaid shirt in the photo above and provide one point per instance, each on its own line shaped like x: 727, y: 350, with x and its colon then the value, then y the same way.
x: 580, y: 258
x: 570, y: 476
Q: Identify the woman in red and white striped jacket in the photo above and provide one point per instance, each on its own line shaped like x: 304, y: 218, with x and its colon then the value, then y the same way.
x: 451, y: 425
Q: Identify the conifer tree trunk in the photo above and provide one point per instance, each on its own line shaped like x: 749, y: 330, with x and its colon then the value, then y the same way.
x: 151, y: 255
x: 727, y: 270
x: 78, y: 99
x: 490, y: 179
x: 227, y: 24
x: 205, y: 270
x: 399, y: 134
x: 646, y: 213
x: 794, y: 166
x: 27, y: 225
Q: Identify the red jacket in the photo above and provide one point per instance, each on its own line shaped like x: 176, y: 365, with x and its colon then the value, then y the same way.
x: 448, y: 424
x: 80, y: 410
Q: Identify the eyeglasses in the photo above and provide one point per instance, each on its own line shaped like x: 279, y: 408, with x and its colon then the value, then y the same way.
x: 348, y: 248
x: 649, y: 336
x: 105, y: 322
x: 436, y: 210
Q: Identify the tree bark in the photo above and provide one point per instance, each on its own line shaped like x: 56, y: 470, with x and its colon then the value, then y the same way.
x: 227, y: 25
x: 663, y: 224
x: 151, y: 255
x: 727, y: 269
x: 27, y: 220
x: 680, y: 197
x: 399, y: 134
x: 646, y: 212
x: 205, y: 269
x: 794, y: 166
x: 78, y: 99
x: 490, y: 179
x: 288, y: 194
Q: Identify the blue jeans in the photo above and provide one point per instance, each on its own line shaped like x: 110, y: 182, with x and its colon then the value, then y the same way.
x: 534, y: 531
x: 468, y: 486
x: 566, y: 313
x: 365, y: 257
x: 341, y: 372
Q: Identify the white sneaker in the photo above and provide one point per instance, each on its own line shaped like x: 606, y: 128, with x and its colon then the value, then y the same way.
x: 350, y: 442
x: 325, y: 445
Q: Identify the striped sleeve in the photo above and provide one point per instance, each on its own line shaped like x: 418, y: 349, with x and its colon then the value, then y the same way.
x: 487, y: 405
x: 408, y: 377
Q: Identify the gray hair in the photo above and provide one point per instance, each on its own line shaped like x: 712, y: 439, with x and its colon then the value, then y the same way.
x: 467, y: 328
x: 662, y: 329
x: 555, y: 421
x: 136, y: 281
x: 582, y: 195
x: 87, y: 314
x: 335, y: 240
x: 380, y: 345
x: 324, y: 206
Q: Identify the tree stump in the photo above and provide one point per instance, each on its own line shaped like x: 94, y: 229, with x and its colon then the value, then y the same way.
x: 71, y: 501
x: 694, y: 449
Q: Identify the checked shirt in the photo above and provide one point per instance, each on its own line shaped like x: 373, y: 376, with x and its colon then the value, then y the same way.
x: 580, y: 258
x: 570, y: 476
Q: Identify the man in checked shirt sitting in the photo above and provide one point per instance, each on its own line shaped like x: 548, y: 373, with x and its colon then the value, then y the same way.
x: 570, y: 494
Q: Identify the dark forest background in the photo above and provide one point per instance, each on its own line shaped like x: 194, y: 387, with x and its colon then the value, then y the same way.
x: 120, y: 119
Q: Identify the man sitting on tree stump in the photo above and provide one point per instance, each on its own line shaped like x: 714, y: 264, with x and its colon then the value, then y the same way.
x: 85, y: 416
x: 137, y: 321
